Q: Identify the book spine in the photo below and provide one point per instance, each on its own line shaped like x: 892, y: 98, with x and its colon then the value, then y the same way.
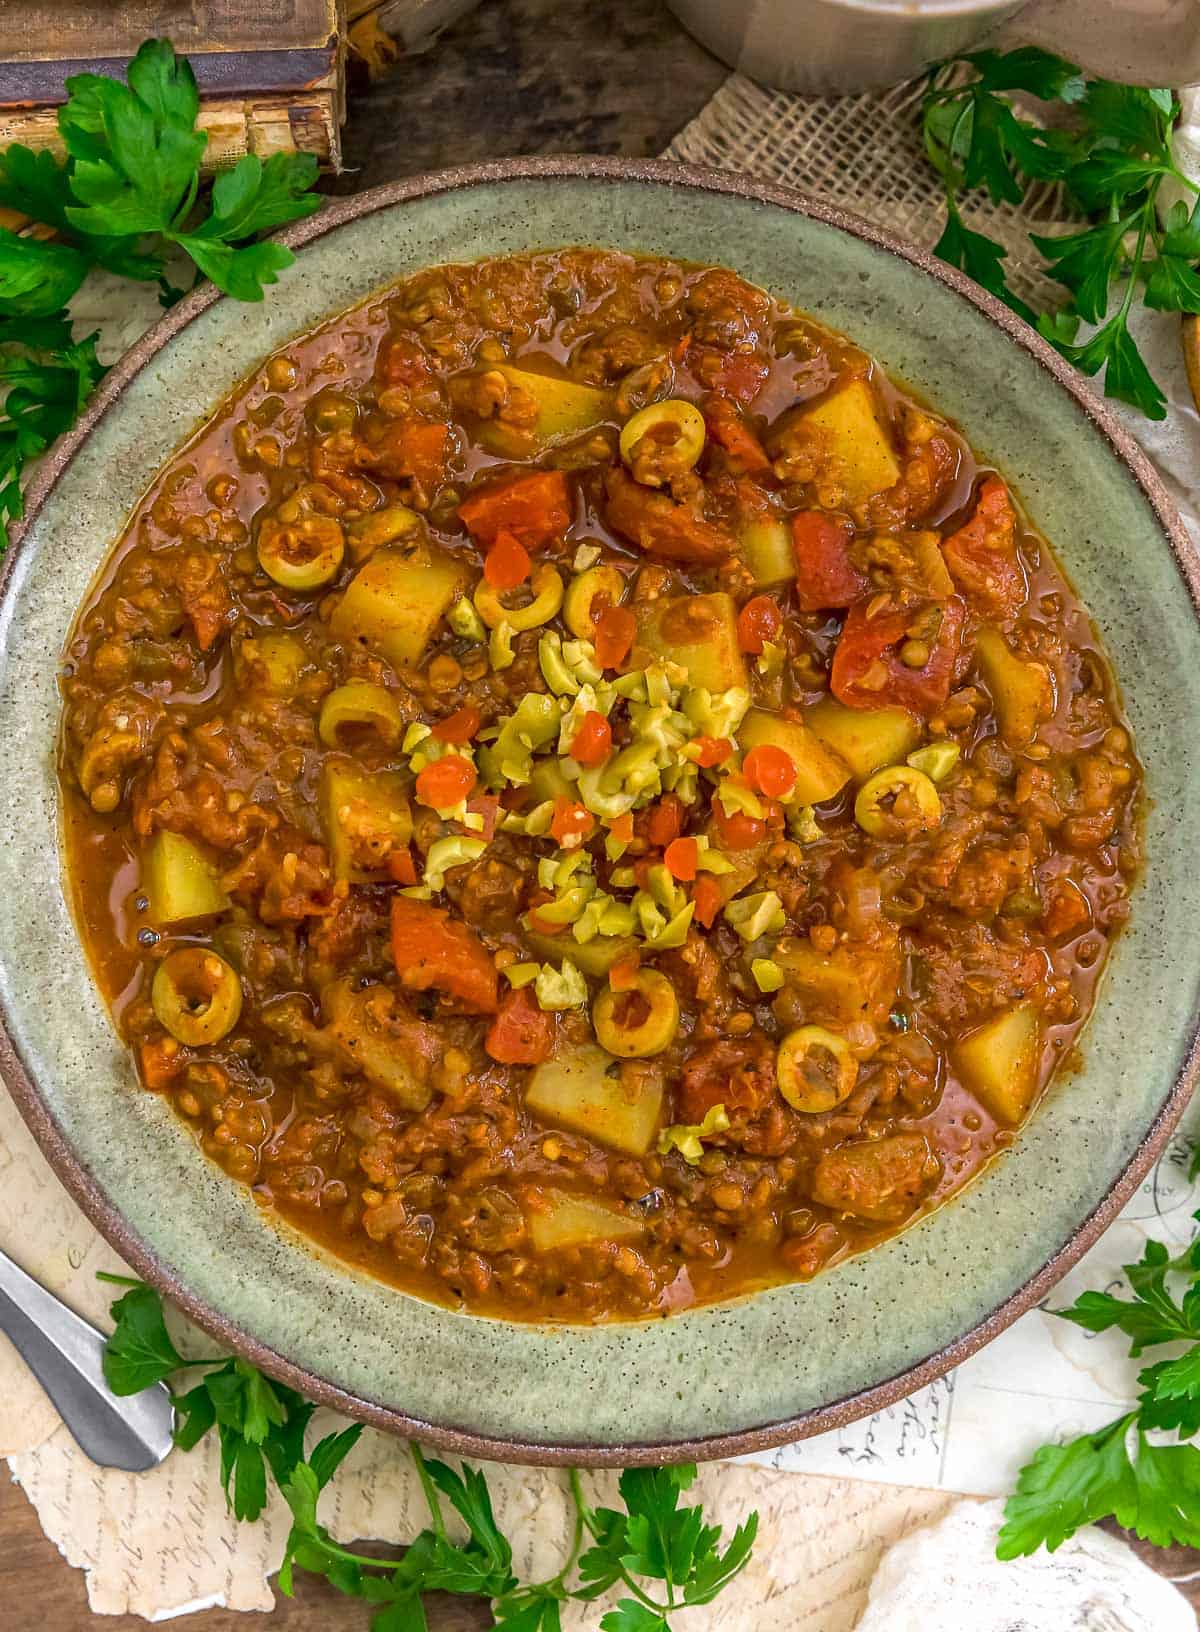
x: 305, y: 123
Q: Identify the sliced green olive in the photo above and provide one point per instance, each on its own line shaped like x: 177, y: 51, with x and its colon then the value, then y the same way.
x: 662, y: 440
x: 547, y: 587
x: 640, y: 1021
x: 580, y: 609
x: 196, y: 995
x: 358, y: 706
x: 302, y: 554
x: 897, y: 803
x: 815, y: 1069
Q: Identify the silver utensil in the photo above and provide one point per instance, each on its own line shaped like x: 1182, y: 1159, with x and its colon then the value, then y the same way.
x: 64, y: 1354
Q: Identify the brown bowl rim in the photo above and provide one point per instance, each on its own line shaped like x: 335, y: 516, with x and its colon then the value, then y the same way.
x: 86, y: 1188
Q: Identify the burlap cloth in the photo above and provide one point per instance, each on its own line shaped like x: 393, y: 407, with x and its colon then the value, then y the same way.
x: 162, y: 1543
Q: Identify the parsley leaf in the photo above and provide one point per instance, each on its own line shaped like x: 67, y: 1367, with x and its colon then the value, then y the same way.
x: 124, y: 198
x: 1147, y: 1486
x: 140, y: 1352
x: 1111, y: 156
x: 261, y: 1428
x: 979, y: 257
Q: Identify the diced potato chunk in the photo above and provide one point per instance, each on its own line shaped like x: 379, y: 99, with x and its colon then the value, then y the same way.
x: 1022, y: 691
x: 396, y: 601
x: 820, y: 772
x: 573, y: 1221
x: 853, y: 982
x: 378, y: 1041
x: 699, y: 632
x: 589, y: 1092
x: 767, y: 554
x: 847, y: 427
x: 365, y: 816
x: 565, y: 408
x: 271, y: 662
x: 999, y: 1062
x: 181, y: 882
x: 866, y: 738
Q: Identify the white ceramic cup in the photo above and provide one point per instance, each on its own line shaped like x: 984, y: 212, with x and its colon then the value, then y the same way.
x: 855, y: 45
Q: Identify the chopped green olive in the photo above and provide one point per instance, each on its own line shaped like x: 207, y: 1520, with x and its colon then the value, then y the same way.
x: 301, y: 554
x: 815, y: 1069
x: 639, y: 1022
x: 358, y: 706
x: 662, y: 440
x: 587, y: 595
x: 897, y: 803
x: 196, y: 995
x: 936, y: 760
x: 547, y: 587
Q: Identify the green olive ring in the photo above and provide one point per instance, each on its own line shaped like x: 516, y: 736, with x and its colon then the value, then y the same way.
x: 582, y: 594
x: 196, y: 996
x: 648, y: 1034
x: 362, y: 704
x: 301, y: 554
x: 920, y: 796
x: 684, y: 418
x: 547, y: 587
x: 815, y: 1069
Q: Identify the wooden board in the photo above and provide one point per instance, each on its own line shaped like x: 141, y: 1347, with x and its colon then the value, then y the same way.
x: 39, y: 1593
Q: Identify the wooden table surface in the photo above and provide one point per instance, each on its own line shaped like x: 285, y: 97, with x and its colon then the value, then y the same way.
x: 512, y: 77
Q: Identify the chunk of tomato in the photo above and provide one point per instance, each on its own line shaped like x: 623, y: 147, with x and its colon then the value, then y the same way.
x: 521, y: 1033
x: 868, y: 670
x: 825, y: 574
x: 982, y: 555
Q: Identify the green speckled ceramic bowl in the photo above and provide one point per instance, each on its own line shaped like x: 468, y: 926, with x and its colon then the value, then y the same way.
x: 789, y: 1362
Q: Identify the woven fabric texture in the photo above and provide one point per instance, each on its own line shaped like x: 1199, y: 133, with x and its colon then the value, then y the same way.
x: 864, y: 153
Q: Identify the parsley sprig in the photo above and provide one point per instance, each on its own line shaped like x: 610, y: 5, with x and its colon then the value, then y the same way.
x: 1130, y: 1469
x: 261, y: 1426
x: 1111, y: 155
x: 126, y: 198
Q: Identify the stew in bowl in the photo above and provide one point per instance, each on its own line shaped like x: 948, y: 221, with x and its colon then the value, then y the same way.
x: 587, y: 796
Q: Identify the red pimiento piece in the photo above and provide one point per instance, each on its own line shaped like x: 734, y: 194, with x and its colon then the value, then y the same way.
x: 622, y: 977
x: 710, y: 751
x: 825, y: 574
x: 486, y: 806
x: 664, y: 821
x: 521, y: 1033
x: 615, y: 629
x: 445, y: 782
x: 736, y: 829
x: 771, y: 770
x: 707, y: 900
x: 982, y: 556
x: 571, y: 822
x: 401, y: 867
x: 433, y: 951
x: 868, y: 671
x: 621, y: 827
x: 507, y: 563
x: 681, y: 856
x: 460, y: 726
x: 536, y: 509
x: 759, y: 621
x: 592, y: 743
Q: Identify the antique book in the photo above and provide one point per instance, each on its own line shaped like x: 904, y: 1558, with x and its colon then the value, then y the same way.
x: 271, y: 72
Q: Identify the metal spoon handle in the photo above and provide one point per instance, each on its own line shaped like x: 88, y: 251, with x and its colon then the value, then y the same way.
x: 64, y: 1353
